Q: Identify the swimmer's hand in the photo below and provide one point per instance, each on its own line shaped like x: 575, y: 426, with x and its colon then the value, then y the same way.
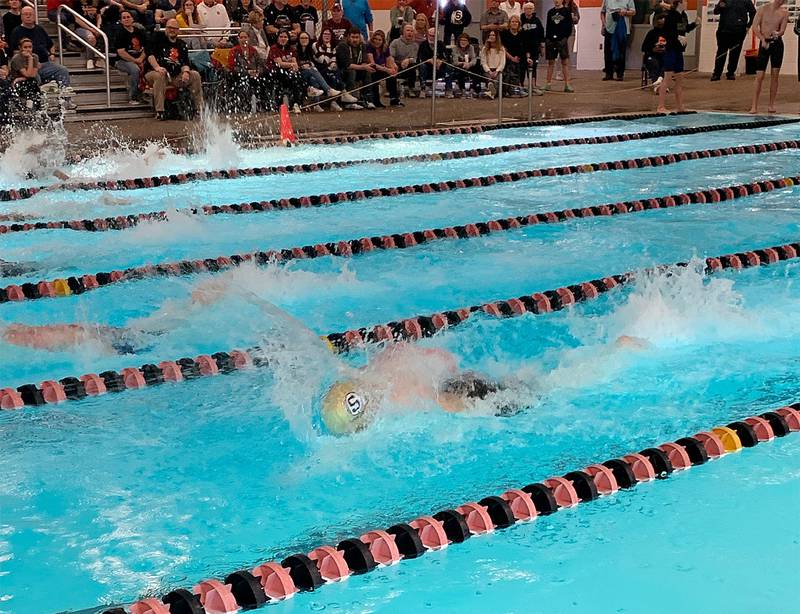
x: 632, y: 343
x: 210, y: 291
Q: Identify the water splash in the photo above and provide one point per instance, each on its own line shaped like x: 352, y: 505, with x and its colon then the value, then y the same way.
x: 217, y: 140
x: 32, y: 157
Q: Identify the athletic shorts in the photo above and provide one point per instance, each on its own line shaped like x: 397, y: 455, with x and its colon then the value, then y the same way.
x: 673, y: 61
x: 556, y: 48
x: 772, y: 54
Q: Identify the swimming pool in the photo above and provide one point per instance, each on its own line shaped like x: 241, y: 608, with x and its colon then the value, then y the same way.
x: 117, y: 497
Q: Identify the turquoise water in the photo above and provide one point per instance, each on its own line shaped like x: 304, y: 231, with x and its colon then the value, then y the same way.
x: 121, y: 496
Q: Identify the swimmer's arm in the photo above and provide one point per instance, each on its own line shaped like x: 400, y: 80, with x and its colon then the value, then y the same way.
x: 55, y: 336
x: 631, y: 343
x: 211, y: 290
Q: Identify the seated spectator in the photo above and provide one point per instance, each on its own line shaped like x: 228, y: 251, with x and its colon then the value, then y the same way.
x: 42, y: 47
x: 199, y: 56
x: 168, y: 61
x: 516, y: 58
x: 325, y: 61
x: 141, y: 11
x: 279, y: 16
x: 89, y: 17
x: 338, y: 24
x: 421, y: 27
x: 213, y: 15
x: 653, y: 48
x: 425, y: 56
x: 493, y: 19
x: 241, y: 12
x: 378, y: 55
x: 12, y: 17
x: 557, y: 33
x: 109, y: 13
x: 317, y: 85
x: 247, y: 69
x: 533, y: 40
x: 404, y: 51
x: 69, y: 20
x: 256, y: 33
x: 23, y: 72
x: 465, y: 62
x: 357, y: 72
x: 285, y: 71
x: 130, y: 43
x: 400, y: 15
x: 307, y: 18
x: 493, y: 61
x: 166, y: 10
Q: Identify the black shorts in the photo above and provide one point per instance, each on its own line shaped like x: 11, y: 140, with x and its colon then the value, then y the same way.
x: 772, y: 54
x: 556, y: 48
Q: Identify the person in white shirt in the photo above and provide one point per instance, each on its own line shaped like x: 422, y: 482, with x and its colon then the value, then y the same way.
x: 511, y: 8
x: 213, y: 15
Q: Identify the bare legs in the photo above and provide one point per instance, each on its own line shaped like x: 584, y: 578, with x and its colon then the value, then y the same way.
x: 669, y: 77
x: 773, y: 90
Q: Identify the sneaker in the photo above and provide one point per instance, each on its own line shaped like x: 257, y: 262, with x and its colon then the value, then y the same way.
x: 296, y: 109
x: 313, y: 92
x: 546, y: 87
x: 354, y: 107
x: 69, y: 105
x: 135, y: 103
x: 370, y: 106
x: 607, y: 77
x: 618, y: 79
x: 537, y: 92
x: 349, y: 99
x: 422, y: 93
x: 730, y: 77
x: 715, y: 77
x: 317, y: 109
x: 379, y: 105
x: 449, y: 94
x: 332, y: 92
x: 161, y: 116
x: 396, y: 103
x: 335, y: 106
x: 89, y: 64
x: 568, y: 88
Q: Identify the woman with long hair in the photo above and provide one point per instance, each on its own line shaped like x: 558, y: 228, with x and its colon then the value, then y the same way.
x: 317, y: 85
x: 385, y: 67
x: 421, y: 27
x: 493, y: 61
x: 284, y: 72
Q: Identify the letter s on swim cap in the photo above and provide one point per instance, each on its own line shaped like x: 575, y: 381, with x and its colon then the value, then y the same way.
x: 344, y: 409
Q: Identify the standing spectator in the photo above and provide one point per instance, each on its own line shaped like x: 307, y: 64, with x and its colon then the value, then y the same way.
x: 425, y: 57
x: 493, y: 60
x: 358, y: 13
x: 285, y: 71
x: 256, y: 35
x: 338, y: 24
x: 653, y: 48
x: 464, y: 62
x: 404, y: 50
x: 421, y: 27
x: 456, y: 18
x: 516, y: 59
x: 557, y: 33
x: 308, y: 18
x: 426, y: 7
x: 511, y: 8
x: 42, y: 47
x: 352, y: 60
x: 769, y: 25
x: 400, y: 15
x: 385, y: 68
x: 735, y: 18
x: 131, y: 56
x: 168, y: 61
x: 673, y: 58
x: 23, y: 71
x: 12, y: 18
x: 533, y: 38
x: 615, y: 22
x: 493, y: 20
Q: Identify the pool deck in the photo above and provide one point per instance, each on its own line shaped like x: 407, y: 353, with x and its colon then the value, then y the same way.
x: 593, y: 97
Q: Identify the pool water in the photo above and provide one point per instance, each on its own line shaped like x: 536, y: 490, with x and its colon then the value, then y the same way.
x: 113, y: 498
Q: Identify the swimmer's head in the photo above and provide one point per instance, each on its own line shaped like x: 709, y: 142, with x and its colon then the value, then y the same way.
x: 460, y: 393
x: 345, y: 408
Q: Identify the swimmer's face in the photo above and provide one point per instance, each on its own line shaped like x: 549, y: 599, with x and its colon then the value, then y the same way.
x: 345, y: 408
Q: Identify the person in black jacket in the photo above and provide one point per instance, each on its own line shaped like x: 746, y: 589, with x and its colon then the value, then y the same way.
x: 533, y: 37
x: 735, y: 18
x: 456, y: 18
x: 168, y: 60
x: 653, y: 48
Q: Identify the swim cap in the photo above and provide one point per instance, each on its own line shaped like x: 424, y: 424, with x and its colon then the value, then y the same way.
x: 344, y: 408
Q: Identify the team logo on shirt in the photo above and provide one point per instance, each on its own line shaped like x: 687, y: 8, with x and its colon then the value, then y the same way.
x: 457, y: 17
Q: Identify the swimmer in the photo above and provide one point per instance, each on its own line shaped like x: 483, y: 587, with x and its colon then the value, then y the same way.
x: 54, y: 337
x: 13, y: 269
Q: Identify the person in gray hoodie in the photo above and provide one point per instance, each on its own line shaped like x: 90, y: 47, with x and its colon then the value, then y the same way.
x: 735, y: 18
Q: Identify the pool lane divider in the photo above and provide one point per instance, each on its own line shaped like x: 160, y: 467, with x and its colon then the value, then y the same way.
x: 324, y: 200
x: 276, y: 581
x: 409, y: 329
x: 352, y: 247
x: 234, y: 173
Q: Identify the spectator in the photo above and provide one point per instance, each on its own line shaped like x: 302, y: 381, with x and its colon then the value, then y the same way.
x: 533, y: 39
x: 426, y: 7
x: 516, y: 59
x: 42, y: 47
x: 653, y: 48
x: 68, y: 20
x: 214, y: 15
x: 673, y: 58
x: 241, y: 12
x: 317, y: 85
x: 325, y: 61
x: 352, y: 60
x: 83, y: 23
x: 421, y: 27
x: 511, y: 8
x: 131, y: 56
x: 464, y: 62
x: 557, y: 33
x: 307, y: 17
x: 279, y: 16
x: 385, y: 68
x: 285, y: 71
x: 338, y: 24
x: 400, y: 15
x: 769, y: 25
x: 256, y: 34
x: 358, y: 13
x: 404, y: 51
x: 456, y: 18
x: 168, y: 61
x: 425, y: 58
x: 735, y: 17
x: 615, y: 23
x: 166, y: 10
x: 23, y: 72
x: 493, y: 20
x: 12, y: 18
x: 493, y: 60
x: 141, y: 11
x: 109, y: 17
x: 246, y: 68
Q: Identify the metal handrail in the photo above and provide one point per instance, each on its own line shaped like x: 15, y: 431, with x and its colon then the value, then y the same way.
x: 83, y: 23
x: 34, y: 6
